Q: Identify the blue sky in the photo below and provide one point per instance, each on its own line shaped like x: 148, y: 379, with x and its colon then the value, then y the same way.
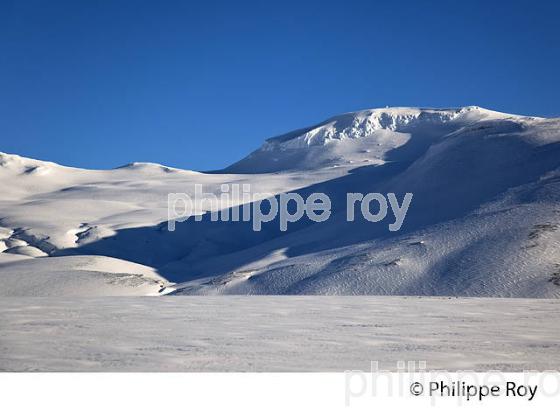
x: 198, y: 85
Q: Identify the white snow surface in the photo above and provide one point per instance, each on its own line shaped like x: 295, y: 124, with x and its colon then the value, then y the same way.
x: 277, y: 333
x: 484, y: 220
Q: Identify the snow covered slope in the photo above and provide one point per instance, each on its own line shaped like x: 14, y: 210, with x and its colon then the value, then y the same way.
x: 484, y: 220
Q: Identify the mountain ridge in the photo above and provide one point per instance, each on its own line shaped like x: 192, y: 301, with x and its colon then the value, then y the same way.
x: 390, y: 112
x: 483, y: 220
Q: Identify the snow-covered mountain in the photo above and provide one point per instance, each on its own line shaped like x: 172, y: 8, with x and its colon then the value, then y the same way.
x: 484, y: 220
x: 367, y: 136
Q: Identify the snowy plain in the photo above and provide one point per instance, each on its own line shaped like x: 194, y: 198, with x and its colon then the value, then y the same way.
x: 277, y: 333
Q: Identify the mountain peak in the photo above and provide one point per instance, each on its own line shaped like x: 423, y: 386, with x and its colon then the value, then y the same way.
x: 361, y: 136
x: 399, y: 119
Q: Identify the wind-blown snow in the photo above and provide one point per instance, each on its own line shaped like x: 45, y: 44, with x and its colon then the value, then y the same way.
x: 484, y: 220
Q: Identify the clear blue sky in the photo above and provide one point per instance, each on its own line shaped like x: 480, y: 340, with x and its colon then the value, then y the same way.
x: 200, y: 84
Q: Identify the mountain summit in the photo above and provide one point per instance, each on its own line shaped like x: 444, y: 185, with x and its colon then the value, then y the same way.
x: 363, y: 136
